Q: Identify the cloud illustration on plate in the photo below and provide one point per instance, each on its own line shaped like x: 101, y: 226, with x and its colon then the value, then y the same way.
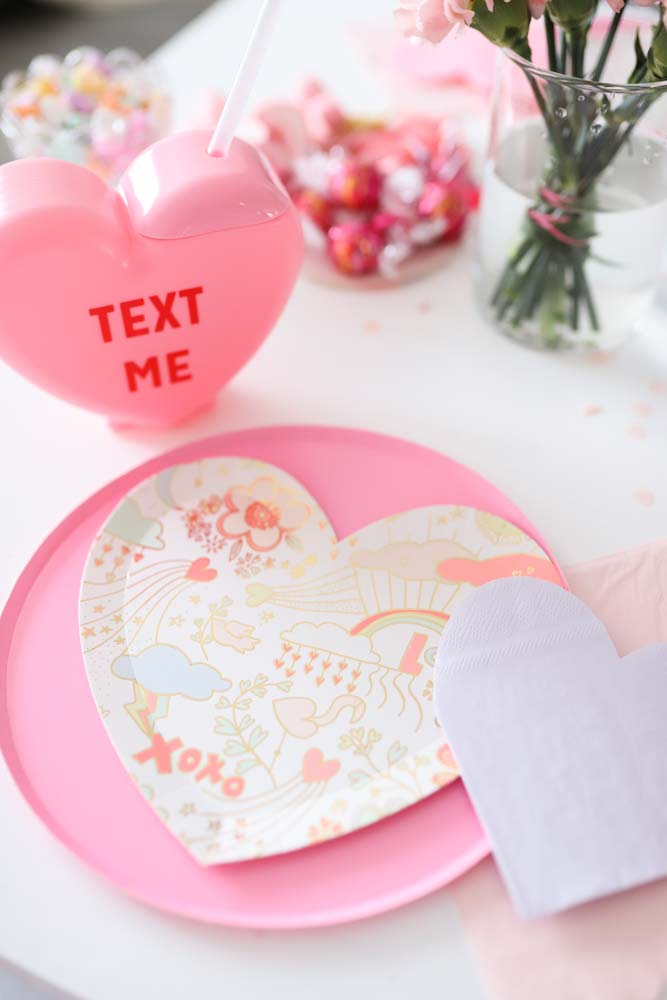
x: 410, y: 560
x: 127, y: 522
x: 331, y: 638
x: 166, y: 670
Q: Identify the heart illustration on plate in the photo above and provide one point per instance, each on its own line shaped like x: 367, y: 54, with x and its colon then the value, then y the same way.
x: 200, y: 571
x: 150, y: 298
x: 561, y: 743
x: 266, y: 685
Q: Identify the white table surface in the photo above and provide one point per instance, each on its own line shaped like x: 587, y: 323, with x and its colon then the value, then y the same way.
x: 580, y: 446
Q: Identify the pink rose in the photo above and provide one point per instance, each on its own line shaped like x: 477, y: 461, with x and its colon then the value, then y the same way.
x: 423, y: 19
x: 434, y: 19
x: 459, y: 12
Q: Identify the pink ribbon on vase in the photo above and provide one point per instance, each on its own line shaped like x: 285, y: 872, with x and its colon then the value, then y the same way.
x: 549, y: 224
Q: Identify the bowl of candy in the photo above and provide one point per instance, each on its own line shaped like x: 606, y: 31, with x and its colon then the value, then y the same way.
x: 89, y: 108
x: 380, y: 202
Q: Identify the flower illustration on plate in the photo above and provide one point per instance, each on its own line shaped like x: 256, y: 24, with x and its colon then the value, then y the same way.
x: 262, y: 513
x: 446, y: 757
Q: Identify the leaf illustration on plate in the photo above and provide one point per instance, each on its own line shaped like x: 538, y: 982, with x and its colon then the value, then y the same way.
x: 257, y: 736
x: 245, y: 765
x: 225, y: 726
x: 235, y: 549
x: 396, y: 752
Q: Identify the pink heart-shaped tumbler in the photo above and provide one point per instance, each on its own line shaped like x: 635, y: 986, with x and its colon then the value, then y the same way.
x: 141, y: 303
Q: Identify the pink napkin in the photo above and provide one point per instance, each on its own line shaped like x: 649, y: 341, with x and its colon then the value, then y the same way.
x: 614, y: 949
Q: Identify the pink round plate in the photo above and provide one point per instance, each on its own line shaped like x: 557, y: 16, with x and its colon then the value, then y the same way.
x: 63, y: 762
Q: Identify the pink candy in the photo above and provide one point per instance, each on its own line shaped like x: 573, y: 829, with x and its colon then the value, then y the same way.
x: 372, y: 196
x: 354, y: 247
x: 89, y: 108
x: 354, y: 185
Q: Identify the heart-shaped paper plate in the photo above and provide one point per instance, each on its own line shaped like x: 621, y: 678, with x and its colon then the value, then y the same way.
x: 266, y: 685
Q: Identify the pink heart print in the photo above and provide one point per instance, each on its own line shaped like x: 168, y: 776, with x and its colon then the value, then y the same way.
x: 201, y: 571
x: 141, y: 303
x: 316, y: 768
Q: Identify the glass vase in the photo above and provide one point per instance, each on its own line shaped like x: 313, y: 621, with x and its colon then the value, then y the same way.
x: 573, y: 216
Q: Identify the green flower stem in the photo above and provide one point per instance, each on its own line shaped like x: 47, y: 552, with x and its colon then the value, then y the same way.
x: 563, y: 54
x: 551, y: 42
x: 575, y: 298
x: 577, y: 45
x: 598, y: 69
x: 511, y: 266
x: 585, y: 290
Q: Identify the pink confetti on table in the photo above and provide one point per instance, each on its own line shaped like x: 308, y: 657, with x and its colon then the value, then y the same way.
x: 637, y: 431
x: 372, y: 326
x: 643, y: 409
x: 601, y: 358
x: 425, y: 307
x: 592, y: 410
x: 659, y: 388
x: 644, y: 497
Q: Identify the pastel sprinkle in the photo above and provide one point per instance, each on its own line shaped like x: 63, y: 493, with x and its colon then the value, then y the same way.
x: 643, y: 409
x: 601, y: 358
x: 659, y: 388
x: 644, y: 497
x: 592, y: 410
x: 637, y: 431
